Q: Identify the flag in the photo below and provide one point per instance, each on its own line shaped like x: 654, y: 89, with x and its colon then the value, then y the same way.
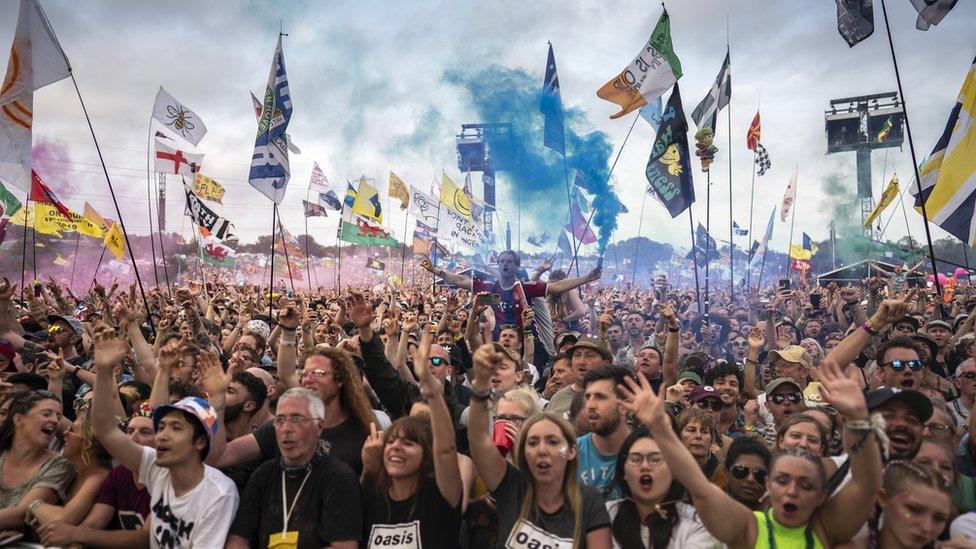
x: 36, y: 60
x: 652, y: 113
x: 789, y: 196
x: 177, y: 118
x: 454, y: 227
x: 754, y: 133
x: 887, y: 197
x: 803, y: 251
x: 269, y: 163
x: 855, y: 20
x: 8, y: 202
x: 115, y: 241
x: 668, y: 169
x: 739, y: 231
x: 398, y: 190
x: 564, y: 244
x: 705, y: 247
x: 931, y: 12
x: 424, y: 206
x: 762, y: 160
x: 367, y: 202
x: 706, y: 113
x: 43, y: 194
x: 423, y: 238
x: 356, y: 230
x: 205, y: 217
x: 208, y: 189
x: 551, y: 105
x: 170, y: 160
x: 94, y: 218
x: 949, y: 175
x: 375, y: 264
x: 752, y: 250
x: 578, y: 226
x: 760, y: 251
x: 454, y: 198
x: 350, y: 198
x: 655, y: 69
x: 320, y: 186
x: 313, y: 210
x: 46, y: 219
x: 258, y: 109
x: 885, y: 130
x: 215, y: 252
x: 61, y: 262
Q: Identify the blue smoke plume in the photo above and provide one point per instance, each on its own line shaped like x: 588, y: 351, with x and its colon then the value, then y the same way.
x: 501, y: 94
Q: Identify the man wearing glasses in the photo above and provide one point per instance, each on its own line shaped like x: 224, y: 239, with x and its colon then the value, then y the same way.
x: 306, y: 498
x: 965, y: 382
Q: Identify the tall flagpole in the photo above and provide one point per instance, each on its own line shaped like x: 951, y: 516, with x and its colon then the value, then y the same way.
x: 149, y: 168
x: 274, y: 226
x: 752, y: 201
x: 708, y: 231
x: 694, y: 258
x: 23, y: 257
x: 284, y: 246
x: 159, y: 225
x: 911, y: 148
x: 789, y: 248
x: 640, y: 224
x: 308, y: 264
x: 569, y: 188
x: 403, y: 249
x: 728, y: 52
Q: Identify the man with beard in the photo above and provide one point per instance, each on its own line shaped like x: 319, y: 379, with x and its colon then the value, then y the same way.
x: 944, y: 362
x: 901, y: 366
x: 607, y: 422
x: 727, y: 381
x: 633, y: 339
x: 245, y: 396
x: 584, y: 356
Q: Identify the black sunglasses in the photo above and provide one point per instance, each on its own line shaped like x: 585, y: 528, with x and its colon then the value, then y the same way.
x: 899, y: 365
x: 740, y: 472
x: 715, y: 405
x: 967, y: 375
x: 795, y: 398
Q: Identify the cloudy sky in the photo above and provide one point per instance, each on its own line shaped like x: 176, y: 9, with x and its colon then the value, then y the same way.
x: 367, y: 80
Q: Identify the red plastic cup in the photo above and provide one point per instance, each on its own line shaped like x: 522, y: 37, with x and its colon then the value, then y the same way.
x: 500, y: 437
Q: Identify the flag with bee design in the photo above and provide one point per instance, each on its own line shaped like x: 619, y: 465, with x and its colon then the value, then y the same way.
x: 178, y: 119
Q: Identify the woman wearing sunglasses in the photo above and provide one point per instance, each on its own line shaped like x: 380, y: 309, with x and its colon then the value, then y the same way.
x: 652, y: 513
x: 799, y: 513
x: 747, y: 465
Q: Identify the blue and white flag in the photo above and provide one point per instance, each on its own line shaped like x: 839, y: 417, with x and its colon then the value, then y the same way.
x: 764, y: 244
x: 739, y: 231
x: 269, y: 164
x: 652, y: 113
x: 551, y: 105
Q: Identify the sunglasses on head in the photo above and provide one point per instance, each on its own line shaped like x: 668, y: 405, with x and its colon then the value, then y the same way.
x: 795, y: 398
x: 899, y: 365
x: 740, y: 472
x: 715, y: 405
x: 54, y: 329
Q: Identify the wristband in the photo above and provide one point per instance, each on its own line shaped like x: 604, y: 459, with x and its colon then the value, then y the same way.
x: 481, y: 396
x: 867, y: 328
x: 287, y: 331
x: 674, y: 330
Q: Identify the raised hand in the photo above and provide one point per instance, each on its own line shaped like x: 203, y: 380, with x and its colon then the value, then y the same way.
x: 409, y: 322
x: 756, y: 339
x: 528, y: 317
x: 288, y: 317
x: 109, y: 347
x: 212, y: 376
x: 891, y: 310
x: 359, y: 311
x: 430, y: 386
x: 641, y: 401
x: 841, y: 392
x: 427, y: 265
x: 486, y: 361
x: 372, y: 452
x: 57, y: 366
x: 170, y: 353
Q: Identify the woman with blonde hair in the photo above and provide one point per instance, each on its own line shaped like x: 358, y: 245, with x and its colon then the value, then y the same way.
x: 539, y: 499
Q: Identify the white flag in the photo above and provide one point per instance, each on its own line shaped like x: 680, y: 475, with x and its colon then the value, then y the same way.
x: 789, y: 198
x: 178, y: 119
x: 174, y: 161
x: 36, y: 60
x: 424, y: 206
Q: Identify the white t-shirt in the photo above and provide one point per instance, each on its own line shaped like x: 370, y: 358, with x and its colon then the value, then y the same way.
x: 199, y: 518
x: 688, y: 533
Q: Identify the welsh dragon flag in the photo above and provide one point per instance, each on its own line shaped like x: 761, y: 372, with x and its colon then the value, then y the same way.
x: 216, y: 253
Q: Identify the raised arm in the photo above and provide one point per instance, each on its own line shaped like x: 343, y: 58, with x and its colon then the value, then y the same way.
x: 890, y: 311
x: 567, y: 284
x: 669, y: 362
x: 751, y: 371
x: 489, y: 462
x: 453, y: 279
x: 287, y: 352
x: 109, y: 351
x: 728, y: 520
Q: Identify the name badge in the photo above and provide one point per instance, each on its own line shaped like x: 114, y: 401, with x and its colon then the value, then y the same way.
x: 283, y: 540
x: 526, y: 535
x: 400, y: 536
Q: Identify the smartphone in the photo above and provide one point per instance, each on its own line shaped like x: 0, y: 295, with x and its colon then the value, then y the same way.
x: 784, y: 284
x: 492, y: 300
x: 815, y: 300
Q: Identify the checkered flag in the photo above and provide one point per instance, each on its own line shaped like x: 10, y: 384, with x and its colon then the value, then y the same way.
x: 762, y: 159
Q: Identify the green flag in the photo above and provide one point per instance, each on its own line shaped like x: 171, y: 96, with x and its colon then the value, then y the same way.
x: 365, y: 233
x: 8, y: 202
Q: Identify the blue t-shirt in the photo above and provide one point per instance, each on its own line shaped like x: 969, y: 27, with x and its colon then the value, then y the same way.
x: 595, y: 469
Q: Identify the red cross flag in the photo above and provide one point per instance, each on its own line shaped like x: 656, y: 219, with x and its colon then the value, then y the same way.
x: 173, y: 160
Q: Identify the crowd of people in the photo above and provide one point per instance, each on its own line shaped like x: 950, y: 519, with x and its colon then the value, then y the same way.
x: 526, y: 410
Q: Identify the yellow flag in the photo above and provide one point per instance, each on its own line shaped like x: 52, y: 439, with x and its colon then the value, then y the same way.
x: 798, y: 252
x: 367, y: 202
x: 887, y: 197
x: 398, y: 190
x: 115, y: 241
x: 453, y: 197
x: 208, y: 189
x: 95, y: 218
x: 46, y: 219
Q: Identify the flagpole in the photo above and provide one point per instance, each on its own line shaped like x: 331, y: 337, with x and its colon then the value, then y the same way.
x: 111, y: 189
x: 74, y: 260
x: 752, y: 202
x: 789, y: 248
x: 609, y: 175
x: 640, y: 224
x: 728, y: 110
x: 708, y: 233
x: 694, y: 258
x: 308, y: 264
x: 162, y: 248
x: 23, y: 257
x: 403, y: 249
x: 97, y: 266
x: 274, y: 226
x: 911, y: 148
x: 284, y: 246
x: 34, y: 245
x: 149, y: 168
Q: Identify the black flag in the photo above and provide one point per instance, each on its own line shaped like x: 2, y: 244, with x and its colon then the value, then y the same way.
x: 668, y: 169
x: 855, y: 20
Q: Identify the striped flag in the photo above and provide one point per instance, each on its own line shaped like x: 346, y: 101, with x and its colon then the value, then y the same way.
x: 706, y: 113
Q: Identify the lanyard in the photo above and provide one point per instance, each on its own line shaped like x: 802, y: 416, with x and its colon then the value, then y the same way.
x: 807, y: 532
x: 285, y: 511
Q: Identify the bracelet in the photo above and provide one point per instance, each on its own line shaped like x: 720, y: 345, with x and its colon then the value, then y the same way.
x: 287, y: 331
x: 674, y: 330
x: 481, y: 396
x: 867, y: 328
x: 34, y: 505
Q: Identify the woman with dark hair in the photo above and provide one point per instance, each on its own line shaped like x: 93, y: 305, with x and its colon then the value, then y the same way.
x: 411, y: 478
x: 651, y: 514
x: 29, y: 472
x: 747, y: 466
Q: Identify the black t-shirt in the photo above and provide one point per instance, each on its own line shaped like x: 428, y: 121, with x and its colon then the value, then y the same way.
x: 427, y: 514
x: 545, y: 529
x: 344, y: 442
x: 328, y: 509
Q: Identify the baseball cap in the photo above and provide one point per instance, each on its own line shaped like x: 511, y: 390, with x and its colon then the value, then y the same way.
x: 689, y: 375
x: 7, y: 350
x: 71, y: 321
x: 914, y: 399
x: 198, y: 409
x: 702, y: 392
x: 590, y: 343
x: 793, y: 353
x: 779, y: 382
